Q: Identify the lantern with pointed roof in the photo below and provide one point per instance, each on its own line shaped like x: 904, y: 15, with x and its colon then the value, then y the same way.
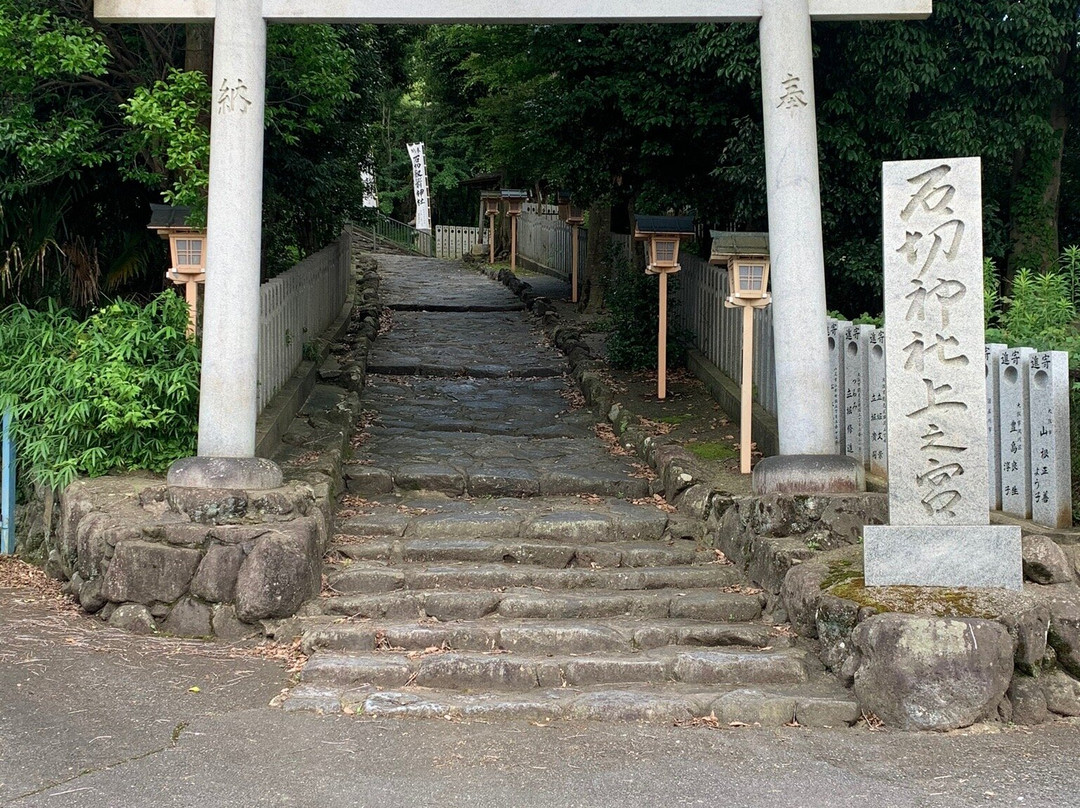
x: 746, y: 256
x: 663, y: 234
x: 492, y: 200
x: 514, y: 199
x: 562, y: 199
x: 187, y: 245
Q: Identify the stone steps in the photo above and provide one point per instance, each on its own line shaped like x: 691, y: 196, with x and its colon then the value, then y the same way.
x: 407, y: 474
x: 445, y: 605
x: 502, y: 671
x: 816, y: 704
x: 369, y: 578
x: 495, y: 559
x: 538, y: 637
x: 569, y: 519
x: 515, y: 551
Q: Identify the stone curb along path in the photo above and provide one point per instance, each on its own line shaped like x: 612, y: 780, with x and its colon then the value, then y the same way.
x: 492, y: 558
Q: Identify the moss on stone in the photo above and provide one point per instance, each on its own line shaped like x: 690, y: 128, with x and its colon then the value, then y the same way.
x: 675, y: 420
x: 937, y: 602
x: 712, y: 451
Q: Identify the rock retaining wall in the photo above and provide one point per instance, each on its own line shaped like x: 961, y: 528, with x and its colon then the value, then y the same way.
x: 202, y: 562
x: 924, y: 658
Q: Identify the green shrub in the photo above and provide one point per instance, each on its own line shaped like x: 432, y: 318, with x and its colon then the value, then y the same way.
x: 117, y: 391
x: 633, y: 303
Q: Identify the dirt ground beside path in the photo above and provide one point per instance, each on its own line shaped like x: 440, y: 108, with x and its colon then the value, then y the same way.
x: 90, y: 716
x: 689, y: 415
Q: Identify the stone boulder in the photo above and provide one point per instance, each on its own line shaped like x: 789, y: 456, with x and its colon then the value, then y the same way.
x: 144, y: 572
x: 133, y: 617
x: 282, y: 571
x: 188, y: 618
x: 215, y: 580
x: 1064, y: 635
x: 1044, y: 561
x: 928, y: 673
x: 1062, y: 693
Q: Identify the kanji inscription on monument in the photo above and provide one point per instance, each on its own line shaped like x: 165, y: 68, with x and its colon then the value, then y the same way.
x: 936, y: 376
x: 938, y: 532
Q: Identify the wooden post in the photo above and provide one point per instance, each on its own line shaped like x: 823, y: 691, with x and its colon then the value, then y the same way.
x: 661, y: 351
x: 491, y: 238
x: 747, y: 415
x: 574, y: 265
x: 192, y: 289
x: 513, y: 243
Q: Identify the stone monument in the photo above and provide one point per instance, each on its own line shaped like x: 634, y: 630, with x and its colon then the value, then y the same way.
x: 938, y: 532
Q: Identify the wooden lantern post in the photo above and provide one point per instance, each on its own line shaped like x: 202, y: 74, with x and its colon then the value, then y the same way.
x: 663, y: 235
x: 575, y: 220
x: 746, y: 256
x: 187, y: 248
x: 514, y: 199
x: 573, y: 217
x: 491, y: 200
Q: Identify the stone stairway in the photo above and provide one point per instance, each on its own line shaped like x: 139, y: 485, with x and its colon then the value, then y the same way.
x: 495, y: 558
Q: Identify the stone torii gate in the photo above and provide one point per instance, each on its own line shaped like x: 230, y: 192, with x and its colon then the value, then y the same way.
x: 227, y: 408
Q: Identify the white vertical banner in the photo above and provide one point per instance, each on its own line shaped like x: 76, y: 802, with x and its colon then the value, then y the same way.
x: 420, y: 186
x: 367, y: 177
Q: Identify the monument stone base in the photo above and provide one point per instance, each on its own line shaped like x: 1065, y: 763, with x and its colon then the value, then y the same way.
x: 809, y: 474
x: 244, y: 473
x: 949, y: 556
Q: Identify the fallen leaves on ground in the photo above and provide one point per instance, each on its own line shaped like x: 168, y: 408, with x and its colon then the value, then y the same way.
x: 386, y: 321
x: 742, y: 589
x: 871, y: 721
x: 709, y: 721
x: 17, y: 574
x: 720, y: 558
x: 642, y: 471
x: 607, y: 435
x: 656, y: 427
x: 657, y: 501
x: 289, y: 654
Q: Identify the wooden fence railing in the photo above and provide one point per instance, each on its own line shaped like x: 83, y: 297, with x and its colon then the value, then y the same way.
x: 296, y: 307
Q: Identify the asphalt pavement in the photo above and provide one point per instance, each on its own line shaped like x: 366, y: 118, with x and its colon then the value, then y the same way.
x: 90, y: 716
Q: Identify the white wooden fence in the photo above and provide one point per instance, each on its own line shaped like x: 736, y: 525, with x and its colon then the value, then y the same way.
x: 454, y: 242
x: 717, y: 331
x: 1027, y: 393
x: 295, y: 308
x: 699, y: 289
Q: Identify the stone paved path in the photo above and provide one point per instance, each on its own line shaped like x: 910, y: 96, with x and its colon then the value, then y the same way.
x: 495, y: 559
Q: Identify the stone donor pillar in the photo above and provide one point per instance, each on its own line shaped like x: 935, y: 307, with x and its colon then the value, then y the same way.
x: 230, y: 339
x: 804, y: 407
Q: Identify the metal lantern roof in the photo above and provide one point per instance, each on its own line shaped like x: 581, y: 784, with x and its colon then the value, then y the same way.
x: 169, y: 217
x: 727, y: 245
x: 663, y: 225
